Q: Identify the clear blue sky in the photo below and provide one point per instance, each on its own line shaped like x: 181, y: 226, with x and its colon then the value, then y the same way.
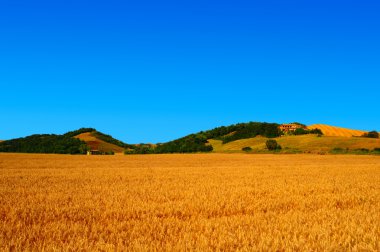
x: 153, y: 71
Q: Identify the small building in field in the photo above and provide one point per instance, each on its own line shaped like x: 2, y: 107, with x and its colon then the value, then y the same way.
x: 287, y: 127
x: 94, y: 152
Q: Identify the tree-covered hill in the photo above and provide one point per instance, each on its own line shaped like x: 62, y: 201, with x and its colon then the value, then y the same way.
x: 198, y: 142
x: 45, y: 144
x: 67, y: 143
x: 83, y: 139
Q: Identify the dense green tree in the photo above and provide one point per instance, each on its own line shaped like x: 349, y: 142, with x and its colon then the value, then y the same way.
x: 272, y: 145
x: 371, y: 134
x: 246, y: 149
x: 251, y: 129
x: 300, y: 131
x: 303, y: 131
x: 315, y: 131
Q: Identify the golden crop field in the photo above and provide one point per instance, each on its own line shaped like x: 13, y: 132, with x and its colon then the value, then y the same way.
x: 193, y: 202
x: 302, y: 143
x: 336, y: 131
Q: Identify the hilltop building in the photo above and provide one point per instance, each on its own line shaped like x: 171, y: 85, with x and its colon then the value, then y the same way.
x: 287, y: 127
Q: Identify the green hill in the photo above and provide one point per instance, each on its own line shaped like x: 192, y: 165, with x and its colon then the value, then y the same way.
x: 198, y: 142
x: 73, y: 142
x: 44, y: 143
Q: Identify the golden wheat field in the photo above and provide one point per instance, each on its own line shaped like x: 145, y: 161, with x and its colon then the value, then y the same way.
x: 193, y: 202
x: 336, y: 131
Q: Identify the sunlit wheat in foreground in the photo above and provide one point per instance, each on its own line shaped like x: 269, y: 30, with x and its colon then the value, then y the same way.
x: 190, y: 202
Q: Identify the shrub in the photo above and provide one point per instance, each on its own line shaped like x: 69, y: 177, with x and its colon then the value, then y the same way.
x: 272, y: 145
x: 316, y: 131
x: 246, y: 149
x: 300, y: 131
x: 371, y: 134
x: 129, y: 151
x: 376, y: 151
x: 338, y: 150
x: 361, y: 150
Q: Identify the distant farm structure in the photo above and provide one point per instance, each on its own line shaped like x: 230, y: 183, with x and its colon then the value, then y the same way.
x: 94, y: 152
x: 290, y: 127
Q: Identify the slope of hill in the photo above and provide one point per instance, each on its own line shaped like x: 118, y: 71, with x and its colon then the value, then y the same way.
x: 198, y: 142
x: 94, y: 143
x: 254, y: 134
x: 44, y: 143
x: 299, y: 144
x: 336, y: 131
x: 73, y: 142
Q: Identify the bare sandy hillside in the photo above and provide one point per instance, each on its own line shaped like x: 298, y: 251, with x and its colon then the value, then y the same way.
x: 336, y: 131
x: 97, y: 144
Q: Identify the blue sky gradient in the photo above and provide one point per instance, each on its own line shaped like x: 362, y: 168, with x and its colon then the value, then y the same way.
x: 153, y: 71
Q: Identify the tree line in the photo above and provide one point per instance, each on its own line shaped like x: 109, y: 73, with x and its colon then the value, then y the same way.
x: 45, y: 143
x: 301, y: 131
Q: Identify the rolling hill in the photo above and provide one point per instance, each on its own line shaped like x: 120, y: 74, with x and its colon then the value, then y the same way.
x: 44, y: 143
x: 299, y: 144
x: 230, y: 138
x: 336, y: 131
x: 197, y: 142
x: 73, y: 142
x: 334, y: 138
x: 234, y: 137
x: 94, y: 143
